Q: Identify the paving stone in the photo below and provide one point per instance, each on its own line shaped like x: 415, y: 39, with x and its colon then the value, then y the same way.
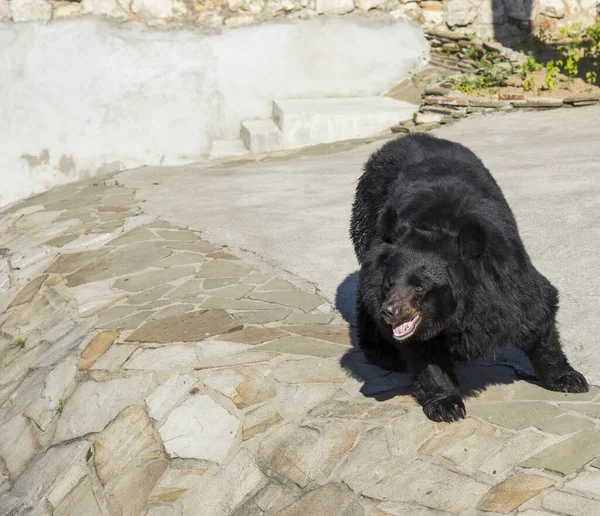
x: 410, y: 431
x: 237, y: 304
x: 587, y: 409
x: 250, y: 357
x: 437, y: 488
x: 309, y: 453
x: 253, y: 335
x: 4, y: 479
x: 368, y: 411
x: 450, y: 435
x: 189, y: 327
x: 514, y: 451
x: 81, y: 416
x: 29, y: 291
x: 567, y: 456
x: 94, y: 298
x: 233, y: 291
x: 124, y: 260
x: 47, y: 470
x: 185, y: 258
x: 170, y: 311
x: 298, y: 399
x: 78, y: 336
x: 299, y: 345
x: 566, y: 424
x: 19, y: 443
x: 69, y: 480
x: 136, y: 235
x: 175, y: 482
x: 151, y: 279
x: 61, y: 241
x: 261, y: 316
x: 195, y: 247
x: 277, y: 284
x: 79, y: 502
x: 113, y: 313
x: 572, y: 505
x: 127, y: 323
x: 190, y: 290
x: 259, y: 420
x: 470, y: 453
x: 327, y: 500
x: 222, y: 255
x: 314, y: 318
x: 404, y: 509
x: 178, y: 235
x: 24, y: 258
x: 213, y: 283
x: 163, y: 358
x: 147, y: 296
x: 256, y: 278
x: 222, y: 269
x: 200, y: 429
x: 225, y: 381
x: 336, y: 333
x: 218, y: 348
x: 586, y: 482
x: 310, y: 370
x: 169, y: 394
x: 514, y: 491
x: 129, y: 461
x: 67, y: 263
x: 114, y: 358
x: 516, y: 415
x: 90, y: 242
x: 292, y: 298
x: 596, y: 463
x: 23, y: 393
x: 531, y: 391
x: 57, y: 386
x: 221, y: 493
x: 96, y: 348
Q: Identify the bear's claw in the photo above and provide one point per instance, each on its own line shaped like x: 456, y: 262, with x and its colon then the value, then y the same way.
x: 448, y: 409
x: 572, y: 381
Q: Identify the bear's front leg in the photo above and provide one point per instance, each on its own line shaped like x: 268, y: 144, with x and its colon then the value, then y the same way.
x: 435, y: 385
x: 551, y: 364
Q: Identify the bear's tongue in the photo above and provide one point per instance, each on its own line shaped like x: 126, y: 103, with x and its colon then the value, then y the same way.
x: 403, y: 329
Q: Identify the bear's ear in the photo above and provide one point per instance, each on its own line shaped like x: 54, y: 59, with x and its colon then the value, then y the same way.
x: 472, y: 240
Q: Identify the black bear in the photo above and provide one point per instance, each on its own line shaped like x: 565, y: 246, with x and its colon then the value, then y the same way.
x: 444, y: 274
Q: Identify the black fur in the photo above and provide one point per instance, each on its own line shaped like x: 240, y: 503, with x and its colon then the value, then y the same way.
x: 438, y: 244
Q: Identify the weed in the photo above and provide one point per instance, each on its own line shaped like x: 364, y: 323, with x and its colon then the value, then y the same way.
x: 60, y: 405
x: 20, y: 342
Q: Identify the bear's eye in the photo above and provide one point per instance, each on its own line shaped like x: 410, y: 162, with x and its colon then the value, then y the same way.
x: 418, y: 288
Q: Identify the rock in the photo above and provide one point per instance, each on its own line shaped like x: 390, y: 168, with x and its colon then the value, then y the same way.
x: 31, y: 10
x: 114, y: 358
x: 367, y: 411
x: 28, y: 292
x: 94, y: 404
x: 163, y: 358
x: 514, y: 450
x: 293, y: 298
x: 299, y: 399
x: 225, y: 381
x: 531, y: 391
x: 113, y: 313
x: 277, y: 284
x: 220, y: 494
x: 175, y: 482
x: 261, y: 316
x: 309, y: 453
x: 313, y: 318
x: 216, y: 348
x: 572, y: 505
x: 427, y: 117
x: 96, y: 348
x: 57, y: 387
x: 234, y: 291
x: 336, y: 333
x: 222, y: 269
x: 459, y: 13
x: 60, y: 349
x: 327, y: 500
x: 189, y: 327
x: 259, y: 420
x: 586, y: 482
x: 169, y: 311
x: 110, y: 8
x: 310, y: 370
x: 450, y: 435
x: 67, y: 263
x: 404, y: 509
x: 147, y: 296
x: 523, y: 10
x: 79, y: 502
x: 566, y: 424
x: 23, y: 259
x: 238, y: 304
x: 94, y: 298
x: 552, y: 8
x: 366, y: 5
x: 200, y: 429
x: 169, y: 394
x: 124, y: 260
x: 250, y: 357
x: 66, y: 10
x: 305, y: 346
x: 5, y: 14
x: 437, y: 488
x: 541, y: 102
x: 516, y: 415
x: 191, y: 290
x: 254, y: 335
x: 178, y: 235
x: 514, y: 491
x: 19, y: 443
x: 185, y: 258
x: 567, y: 456
x: 139, y: 234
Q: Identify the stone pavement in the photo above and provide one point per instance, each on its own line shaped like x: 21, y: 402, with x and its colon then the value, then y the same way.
x: 145, y: 370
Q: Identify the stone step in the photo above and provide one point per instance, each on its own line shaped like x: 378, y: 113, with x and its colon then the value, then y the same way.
x: 324, y: 120
x: 261, y: 135
x: 222, y: 149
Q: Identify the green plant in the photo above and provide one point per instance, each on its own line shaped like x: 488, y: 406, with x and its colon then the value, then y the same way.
x: 469, y: 51
x: 552, y: 70
x: 20, y: 342
x: 60, y: 405
x: 529, y: 66
x: 529, y: 84
x: 591, y: 77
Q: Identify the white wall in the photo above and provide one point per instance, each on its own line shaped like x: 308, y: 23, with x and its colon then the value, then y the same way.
x: 82, y: 96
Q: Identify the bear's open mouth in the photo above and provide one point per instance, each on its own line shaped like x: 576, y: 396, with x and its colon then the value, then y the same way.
x: 405, y: 330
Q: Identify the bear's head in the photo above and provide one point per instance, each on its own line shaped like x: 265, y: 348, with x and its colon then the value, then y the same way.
x: 426, y: 273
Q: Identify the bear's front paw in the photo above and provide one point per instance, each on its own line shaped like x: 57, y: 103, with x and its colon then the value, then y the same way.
x: 448, y: 409
x: 571, y: 381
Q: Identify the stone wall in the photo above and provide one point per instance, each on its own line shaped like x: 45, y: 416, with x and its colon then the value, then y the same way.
x: 502, y: 19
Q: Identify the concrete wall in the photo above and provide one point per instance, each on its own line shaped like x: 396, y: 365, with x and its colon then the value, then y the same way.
x: 502, y: 19
x: 78, y: 97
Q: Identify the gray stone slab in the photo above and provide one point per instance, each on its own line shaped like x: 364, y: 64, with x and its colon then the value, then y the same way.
x: 67, y: 263
x: 516, y: 415
x: 147, y: 296
x: 299, y: 345
x: 139, y: 234
x: 185, y: 258
x: 330, y: 500
x: 127, y: 323
x: 222, y: 269
x: 147, y: 280
x: 261, y: 316
x: 292, y: 298
x: 29, y: 291
x: 177, y: 235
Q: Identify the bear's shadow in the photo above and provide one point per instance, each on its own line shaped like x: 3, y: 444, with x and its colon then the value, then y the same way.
x: 380, y: 384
